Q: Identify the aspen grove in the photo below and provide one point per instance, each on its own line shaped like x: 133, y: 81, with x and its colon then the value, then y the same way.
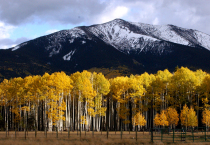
x: 89, y: 101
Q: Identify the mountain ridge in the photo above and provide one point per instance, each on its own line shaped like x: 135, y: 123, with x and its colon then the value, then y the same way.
x: 135, y: 47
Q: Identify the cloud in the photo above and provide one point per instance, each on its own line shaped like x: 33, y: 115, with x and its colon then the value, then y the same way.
x: 8, y: 43
x: 140, y: 10
x: 120, y: 11
x: 156, y: 21
x: 54, y: 11
x: 113, y: 13
x: 192, y: 14
x: 5, y: 30
x: 187, y: 13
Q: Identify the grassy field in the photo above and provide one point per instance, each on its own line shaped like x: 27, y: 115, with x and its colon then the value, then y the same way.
x: 90, y: 139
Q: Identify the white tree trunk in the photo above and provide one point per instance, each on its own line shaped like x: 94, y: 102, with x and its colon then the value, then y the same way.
x: 50, y: 124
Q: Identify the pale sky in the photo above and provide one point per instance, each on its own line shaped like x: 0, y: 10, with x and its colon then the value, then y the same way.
x: 22, y: 20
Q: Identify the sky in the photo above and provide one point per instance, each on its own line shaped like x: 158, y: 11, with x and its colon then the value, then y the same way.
x: 23, y: 20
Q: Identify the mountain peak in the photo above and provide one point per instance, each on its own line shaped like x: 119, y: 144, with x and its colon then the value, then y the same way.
x: 117, y: 20
x: 115, y: 45
x: 130, y: 36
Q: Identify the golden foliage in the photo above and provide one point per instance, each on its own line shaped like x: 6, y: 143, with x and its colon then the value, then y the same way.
x: 157, y: 119
x: 172, y: 116
x: 188, y: 117
x: 163, y: 119
x: 139, y: 119
x: 92, y: 91
x: 206, y: 117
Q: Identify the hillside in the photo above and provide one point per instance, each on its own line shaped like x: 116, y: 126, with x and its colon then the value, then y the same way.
x: 115, y: 48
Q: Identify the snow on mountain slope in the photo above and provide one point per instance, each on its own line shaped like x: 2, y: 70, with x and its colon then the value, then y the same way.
x: 18, y: 46
x: 176, y: 34
x: 203, y: 39
x: 68, y: 56
x: 121, y: 37
x: 162, y: 32
x: 126, y: 37
x: 56, y: 39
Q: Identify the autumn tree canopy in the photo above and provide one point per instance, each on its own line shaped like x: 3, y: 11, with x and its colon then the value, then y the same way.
x: 91, y: 101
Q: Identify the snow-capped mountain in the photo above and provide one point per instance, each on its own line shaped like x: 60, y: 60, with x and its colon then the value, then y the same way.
x: 140, y: 47
x: 128, y: 36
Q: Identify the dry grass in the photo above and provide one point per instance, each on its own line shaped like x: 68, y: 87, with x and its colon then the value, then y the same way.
x: 88, y: 139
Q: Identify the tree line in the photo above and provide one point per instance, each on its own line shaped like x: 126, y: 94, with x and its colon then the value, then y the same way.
x: 89, y: 101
